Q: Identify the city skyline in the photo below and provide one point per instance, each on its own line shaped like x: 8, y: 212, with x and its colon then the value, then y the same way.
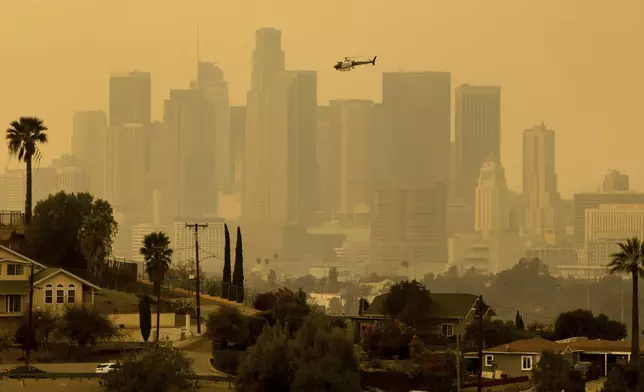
x: 540, y: 80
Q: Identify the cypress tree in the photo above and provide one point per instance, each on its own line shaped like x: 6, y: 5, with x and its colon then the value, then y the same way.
x: 238, y: 272
x: 225, y: 287
x: 518, y: 321
x: 145, y: 318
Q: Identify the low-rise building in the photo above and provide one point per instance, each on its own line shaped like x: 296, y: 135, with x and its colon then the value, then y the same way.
x: 53, y: 288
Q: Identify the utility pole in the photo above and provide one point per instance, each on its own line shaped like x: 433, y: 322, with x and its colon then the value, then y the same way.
x: 30, y: 316
x: 196, y: 226
x: 479, y: 315
x: 458, y: 363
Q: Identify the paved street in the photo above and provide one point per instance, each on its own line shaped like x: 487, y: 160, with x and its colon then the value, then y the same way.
x: 198, y: 349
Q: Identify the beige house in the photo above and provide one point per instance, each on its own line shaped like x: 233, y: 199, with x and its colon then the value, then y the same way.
x: 54, y: 288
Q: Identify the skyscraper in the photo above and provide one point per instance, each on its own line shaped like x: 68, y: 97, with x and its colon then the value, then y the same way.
x: 126, y: 181
x: 540, y: 184
x: 478, y: 134
x: 211, y: 80
x: 302, y: 166
x: 130, y: 98
x: 89, y: 143
x: 264, y: 197
x: 190, y: 128
x: 412, y: 198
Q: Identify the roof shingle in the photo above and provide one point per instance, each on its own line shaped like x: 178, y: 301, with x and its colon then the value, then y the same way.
x: 535, y: 345
x: 444, y: 305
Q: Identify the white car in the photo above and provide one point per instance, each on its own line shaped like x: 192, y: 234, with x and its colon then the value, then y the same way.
x: 106, y: 367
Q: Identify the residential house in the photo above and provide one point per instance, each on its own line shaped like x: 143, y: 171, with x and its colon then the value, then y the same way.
x: 518, y: 358
x: 450, y: 313
x: 54, y: 288
x: 605, y: 354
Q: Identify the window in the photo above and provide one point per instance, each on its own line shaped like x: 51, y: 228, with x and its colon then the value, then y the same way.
x: 13, y: 304
x: 526, y: 363
x: 49, y: 294
x: 489, y: 360
x: 71, y: 294
x: 447, y: 330
x: 15, y: 269
x: 60, y: 294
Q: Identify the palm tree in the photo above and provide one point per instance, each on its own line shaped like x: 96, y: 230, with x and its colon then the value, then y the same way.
x: 23, y: 137
x: 158, y: 256
x: 629, y: 260
x: 258, y: 261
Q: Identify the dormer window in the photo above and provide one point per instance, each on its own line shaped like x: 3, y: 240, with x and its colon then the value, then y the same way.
x: 15, y: 269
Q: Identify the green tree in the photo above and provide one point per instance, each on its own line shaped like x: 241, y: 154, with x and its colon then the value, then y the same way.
x: 518, y: 321
x: 44, y: 324
x: 158, y: 256
x: 227, y: 268
x: 54, y: 235
x: 23, y: 137
x: 84, y: 326
x: 160, y: 368
x: 552, y: 373
x: 238, y: 272
x: 96, y: 236
x: 227, y: 327
x: 145, y: 317
x: 318, y: 358
x: 629, y: 261
x: 581, y: 322
x: 409, y: 302
x: 6, y: 339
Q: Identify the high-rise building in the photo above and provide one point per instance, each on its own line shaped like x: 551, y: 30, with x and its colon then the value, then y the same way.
x: 352, y: 121
x: 130, y: 98
x: 478, y: 134
x: 417, y: 115
x: 89, y: 138
x: 189, y: 124
x: 126, y: 175
x: 264, y: 197
x: 328, y: 161
x: 492, y: 212
x: 238, y: 131
x: 615, y: 181
x: 540, y: 185
x: 211, y: 80
x: 301, y: 138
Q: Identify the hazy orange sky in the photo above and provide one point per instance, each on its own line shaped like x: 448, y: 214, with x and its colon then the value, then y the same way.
x: 577, y: 65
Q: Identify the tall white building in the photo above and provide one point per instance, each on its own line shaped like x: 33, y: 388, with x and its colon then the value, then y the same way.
x: 211, y: 243
x: 89, y: 145
x: 492, y: 213
x: 608, y: 224
x: 139, y: 231
x: 12, y: 190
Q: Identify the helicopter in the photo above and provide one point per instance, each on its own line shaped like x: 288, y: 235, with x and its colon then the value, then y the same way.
x: 348, y: 63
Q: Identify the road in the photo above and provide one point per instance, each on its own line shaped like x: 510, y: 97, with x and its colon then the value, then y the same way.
x: 197, y: 349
